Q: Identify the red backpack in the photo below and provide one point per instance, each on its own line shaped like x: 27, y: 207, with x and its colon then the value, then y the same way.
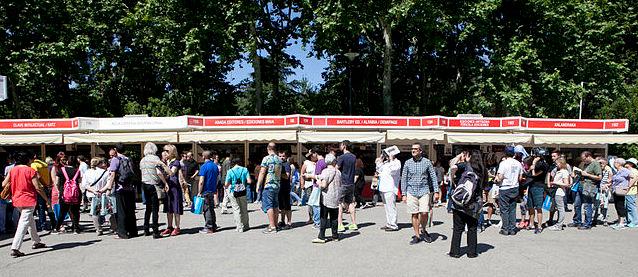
x: 71, y: 194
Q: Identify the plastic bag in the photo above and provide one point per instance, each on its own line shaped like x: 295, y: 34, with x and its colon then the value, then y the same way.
x: 547, y: 204
x: 198, y: 205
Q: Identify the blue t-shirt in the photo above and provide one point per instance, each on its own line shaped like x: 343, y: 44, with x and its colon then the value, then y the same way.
x: 209, y: 171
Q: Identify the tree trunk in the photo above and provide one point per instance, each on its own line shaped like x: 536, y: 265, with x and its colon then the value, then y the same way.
x: 387, y: 68
x: 257, y: 69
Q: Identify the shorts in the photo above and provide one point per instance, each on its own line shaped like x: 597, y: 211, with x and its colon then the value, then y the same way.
x: 346, y: 194
x: 284, y: 198
x: 535, y: 197
x: 269, y: 199
x: 421, y: 204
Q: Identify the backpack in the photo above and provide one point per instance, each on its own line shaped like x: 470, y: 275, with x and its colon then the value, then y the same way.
x: 463, y: 193
x: 71, y: 190
x: 125, y: 172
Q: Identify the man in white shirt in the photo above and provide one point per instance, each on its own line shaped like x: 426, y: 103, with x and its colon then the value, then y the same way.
x: 510, y: 173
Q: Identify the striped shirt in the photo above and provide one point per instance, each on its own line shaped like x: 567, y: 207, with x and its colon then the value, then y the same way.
x: 418, y: 177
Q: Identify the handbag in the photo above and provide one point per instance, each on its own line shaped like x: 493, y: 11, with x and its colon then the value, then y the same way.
x: 375, y: 183
x: 6, y: 192
x: 621, y: 191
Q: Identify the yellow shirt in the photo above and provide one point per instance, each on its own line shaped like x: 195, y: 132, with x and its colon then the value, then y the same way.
x: 43, y: 172
x: 634, y: 189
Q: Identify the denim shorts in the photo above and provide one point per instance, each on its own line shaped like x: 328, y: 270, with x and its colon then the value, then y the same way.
x: 535, y: 197
x: 270, y: 199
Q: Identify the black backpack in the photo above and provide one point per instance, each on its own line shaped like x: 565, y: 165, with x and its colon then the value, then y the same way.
x: 463, y: 193
x: 125, y: 173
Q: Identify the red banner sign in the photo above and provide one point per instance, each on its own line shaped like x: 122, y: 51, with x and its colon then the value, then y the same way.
x: 616, y: 124
x: 38, y: 124
x: 474, y: 123
x: 368, y: 121
x: 564, y: 124
x: 195, y: 121
x: 244, y: 121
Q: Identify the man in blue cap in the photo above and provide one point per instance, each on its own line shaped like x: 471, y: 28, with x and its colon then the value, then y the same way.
x: 510, y: 173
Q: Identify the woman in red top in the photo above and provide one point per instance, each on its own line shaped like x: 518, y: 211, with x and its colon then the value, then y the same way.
x: 24, y: 186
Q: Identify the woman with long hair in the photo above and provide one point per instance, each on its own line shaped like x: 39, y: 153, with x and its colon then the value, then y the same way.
x: 175, y: 198
x: 66, y: 169
x: 468, y: 213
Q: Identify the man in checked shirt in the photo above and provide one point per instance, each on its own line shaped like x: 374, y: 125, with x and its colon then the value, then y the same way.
x: 418, y: 181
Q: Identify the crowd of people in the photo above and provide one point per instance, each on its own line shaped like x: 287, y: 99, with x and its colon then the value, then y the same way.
x: 329, y: 182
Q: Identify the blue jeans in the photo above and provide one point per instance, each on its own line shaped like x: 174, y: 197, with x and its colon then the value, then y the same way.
x: 249, y: 194
x: 578, y: 217
x: 588, y: 203
x: 3, y: 215
x: 316, y: 215
x: 305, y: 194
x: 507, y: 203
x: 294, y: 197
x: 630, y: 206
x: 269, y: 199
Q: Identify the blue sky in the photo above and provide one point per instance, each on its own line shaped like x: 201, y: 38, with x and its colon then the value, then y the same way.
x: 312, y: 67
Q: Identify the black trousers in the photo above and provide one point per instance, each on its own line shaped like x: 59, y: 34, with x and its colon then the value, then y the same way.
x: 73, y: 210
x: 126, y: 222
x: 619, y: 203
x: 324, y: 213
x: 209, y: 210
x: 152, y: 208
x: 460, y: 219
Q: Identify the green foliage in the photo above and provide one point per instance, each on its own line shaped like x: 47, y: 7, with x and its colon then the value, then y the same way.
x: 69, y: 58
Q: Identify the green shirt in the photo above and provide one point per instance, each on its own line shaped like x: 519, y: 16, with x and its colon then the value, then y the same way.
x: 592, y: 168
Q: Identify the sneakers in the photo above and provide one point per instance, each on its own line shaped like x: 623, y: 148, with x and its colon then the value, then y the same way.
x: 631, y: 225
x: 584, y: 228
x: 38, y: 245
x: 555, y: 227
x: 538, y: 231
x: 353, y: 227
x: 316, y: 227
x: 318, y: 240
x: 270, y: 230
x: 572, y: 225
x: 206, y: 231
x: 341, y: 229
x: 415, y: 240
x: 618, y: 227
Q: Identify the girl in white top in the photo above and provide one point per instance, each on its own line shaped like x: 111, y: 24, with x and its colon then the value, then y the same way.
x: 95, y: 179
x: 308, y: 167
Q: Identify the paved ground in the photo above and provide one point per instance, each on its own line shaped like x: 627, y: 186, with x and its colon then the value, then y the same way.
x: 370, y: 252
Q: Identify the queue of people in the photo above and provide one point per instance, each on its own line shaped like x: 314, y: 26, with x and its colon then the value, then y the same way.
x: 329, y: 184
